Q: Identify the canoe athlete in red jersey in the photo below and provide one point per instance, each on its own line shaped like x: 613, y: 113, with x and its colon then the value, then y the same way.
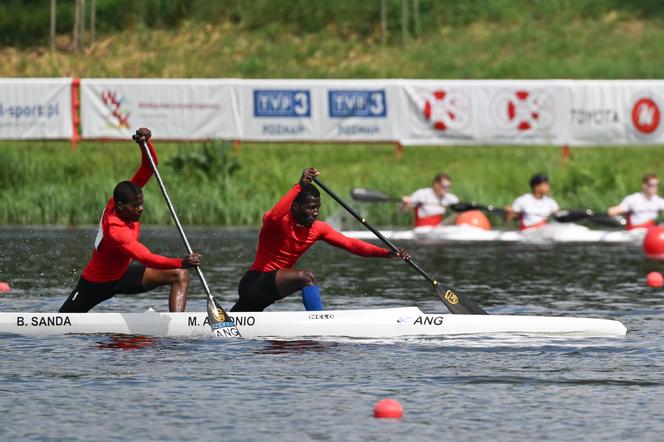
x: 109, y: 272
x: 289, y: 229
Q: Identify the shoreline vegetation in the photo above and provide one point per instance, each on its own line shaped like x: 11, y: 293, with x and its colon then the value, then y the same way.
x: 212, y: 184
x: 216, y: 184
x: 478, y: 39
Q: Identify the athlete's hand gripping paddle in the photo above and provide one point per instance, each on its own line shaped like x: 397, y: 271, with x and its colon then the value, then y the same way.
x: 219, y: 320
x: 455, y: 303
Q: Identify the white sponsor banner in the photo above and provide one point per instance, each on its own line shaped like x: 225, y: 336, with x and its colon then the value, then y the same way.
x: 434, y: 112
x: 278, y: 110
x: 531, y: 112
x: 38, y: 108
x: 318, y: 110
x: 522, y: 112
x: 358, y: 110
x: 437, y: 112
x: 615, y: 112
x: 483, y: 112
x: 172, y: 109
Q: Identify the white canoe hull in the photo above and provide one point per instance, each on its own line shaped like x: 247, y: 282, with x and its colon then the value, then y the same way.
x: 551, y: 233
x: 374, y: 323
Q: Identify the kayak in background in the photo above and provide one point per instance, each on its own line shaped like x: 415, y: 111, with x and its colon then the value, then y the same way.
x: 550, y: 233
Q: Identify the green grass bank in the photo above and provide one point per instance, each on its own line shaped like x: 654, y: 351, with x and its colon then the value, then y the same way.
x: 340, y: 39
x: 214, y: 184
x: 47, y: 183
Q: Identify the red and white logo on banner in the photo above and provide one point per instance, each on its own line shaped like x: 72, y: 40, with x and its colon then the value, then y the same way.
x: 523, y: 110
x: 445, y: 110
x: 113, y: 103
x: 645, y: 115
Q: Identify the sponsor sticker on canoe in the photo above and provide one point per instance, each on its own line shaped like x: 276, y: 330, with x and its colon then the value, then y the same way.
x: 321, y: 316
x: 405, y: 320
x: 226, y: 330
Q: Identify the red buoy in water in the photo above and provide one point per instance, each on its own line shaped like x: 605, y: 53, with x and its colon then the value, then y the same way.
x: 388, y: 408
x: 474, y: 218
x: 653, y: 243
x: 655, y: 279
x: 4, y: 287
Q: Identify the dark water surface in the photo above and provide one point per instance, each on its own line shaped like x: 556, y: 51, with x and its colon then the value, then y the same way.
x: 464, y: 388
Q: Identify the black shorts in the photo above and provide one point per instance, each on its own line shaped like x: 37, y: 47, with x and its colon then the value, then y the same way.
x: 87, y: 294
x: 257, y: 290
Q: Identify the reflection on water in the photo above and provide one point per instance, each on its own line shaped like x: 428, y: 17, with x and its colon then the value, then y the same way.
x: 127, y: 342
x: 294, y: 346
x: 497, y: 388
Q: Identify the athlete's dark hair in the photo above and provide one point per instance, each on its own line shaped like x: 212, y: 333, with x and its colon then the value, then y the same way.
x: 308, y: 191
x: 126, y: 191
x: 649, y: 176
x: 441, y: 176
x: 537, y: 179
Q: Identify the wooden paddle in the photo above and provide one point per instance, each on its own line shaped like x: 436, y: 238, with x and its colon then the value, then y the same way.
x: 456, y: 303
x: 222, y: 325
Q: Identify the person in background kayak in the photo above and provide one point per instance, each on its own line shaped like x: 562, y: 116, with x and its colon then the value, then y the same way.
x: 109, y: 271
x: 430, y: 203
x: 288, y: 230
x: 534, y: 208
x: 641, y: 208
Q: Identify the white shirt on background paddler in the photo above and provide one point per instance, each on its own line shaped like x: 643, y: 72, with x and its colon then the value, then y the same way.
x: 427, y: 203
x: 533, y: 210
x: 641, y: 209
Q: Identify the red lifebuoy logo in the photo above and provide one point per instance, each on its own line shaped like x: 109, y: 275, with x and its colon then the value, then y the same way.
x: 645, y: 115
x: 523, y: 110
x: 445, y: 110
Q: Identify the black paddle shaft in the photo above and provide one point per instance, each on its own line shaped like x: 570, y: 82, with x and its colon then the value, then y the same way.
x: 455, y: 303
x: 219, y: 320
x: 174, y: 214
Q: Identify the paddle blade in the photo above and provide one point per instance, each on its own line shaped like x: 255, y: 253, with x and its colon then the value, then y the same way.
x: 455, y: 303
x: 609, y: 221
x: 371, y: 196
x: 464, y: 207
x: 569, y: 216
x: 473, y: 205
x: 222, y: 325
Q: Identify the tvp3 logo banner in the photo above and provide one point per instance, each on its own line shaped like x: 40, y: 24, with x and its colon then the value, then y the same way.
x: 316, y: 110
x: 275, y: 110
x: 360, y: 111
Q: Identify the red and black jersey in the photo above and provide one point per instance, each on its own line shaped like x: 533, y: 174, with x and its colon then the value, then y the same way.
x: 117, y: 240
x: 282, y: 240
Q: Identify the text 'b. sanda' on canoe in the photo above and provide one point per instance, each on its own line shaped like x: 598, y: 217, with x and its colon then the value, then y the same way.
x: 43, y: 321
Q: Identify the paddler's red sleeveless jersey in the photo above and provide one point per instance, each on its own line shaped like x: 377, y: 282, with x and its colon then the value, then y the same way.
x: 282, y: 241
x: 117, y: 240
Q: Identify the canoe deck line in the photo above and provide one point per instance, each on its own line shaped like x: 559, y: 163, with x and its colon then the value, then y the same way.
x: 551, y: 233
x: 373, y: 323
